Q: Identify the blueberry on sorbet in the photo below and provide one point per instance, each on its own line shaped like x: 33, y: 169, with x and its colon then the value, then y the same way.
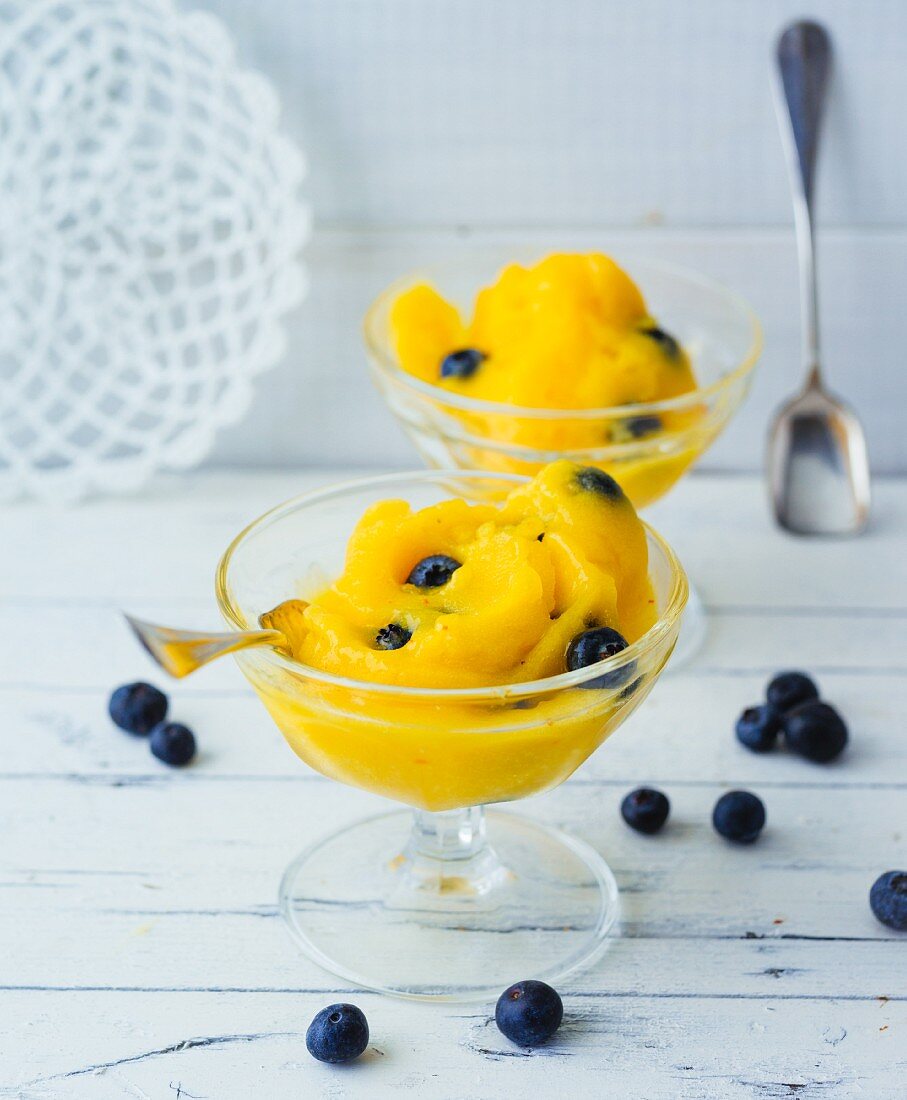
x: 462, y: 363
x: 392, y: 636
x: 597, y: 644
x: 594, y: 480
x: 638, y: 427
x: 665, y: 340
x: 433, y: 571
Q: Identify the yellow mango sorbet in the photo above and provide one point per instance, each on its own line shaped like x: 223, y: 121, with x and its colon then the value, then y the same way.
x: 464, y: 595
x: 423, y: 669
x: 569, y: 333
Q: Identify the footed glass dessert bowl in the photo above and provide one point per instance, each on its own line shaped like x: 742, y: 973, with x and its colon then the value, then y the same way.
x: 416, y: 902
x: 646, y: 445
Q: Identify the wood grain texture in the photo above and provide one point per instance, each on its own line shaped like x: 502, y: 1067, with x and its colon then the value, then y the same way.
x: 143, y: 955
x: 234, y: 1045
x: 587, y: 113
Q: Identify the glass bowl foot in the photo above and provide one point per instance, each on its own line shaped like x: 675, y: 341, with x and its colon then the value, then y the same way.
x: 439, y: 912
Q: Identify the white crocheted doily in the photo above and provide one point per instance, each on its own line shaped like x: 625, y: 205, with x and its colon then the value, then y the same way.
x: 150, y: 226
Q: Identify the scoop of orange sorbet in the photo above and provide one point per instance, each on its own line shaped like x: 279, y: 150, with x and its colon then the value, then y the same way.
x: 570, y: 332
x: 473, y: 595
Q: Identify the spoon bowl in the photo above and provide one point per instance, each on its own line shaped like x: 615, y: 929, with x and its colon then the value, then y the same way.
x: 818, y: 466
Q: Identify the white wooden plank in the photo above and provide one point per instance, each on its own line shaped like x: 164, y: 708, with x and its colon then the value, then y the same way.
x: 741, y: 972
x: 319, y: 407
x: 185, y: 846
x: 104, y: 1047
x: 459, y: 112
x: 143, y: 553
x: 740, y: 561
x: 183, y: 952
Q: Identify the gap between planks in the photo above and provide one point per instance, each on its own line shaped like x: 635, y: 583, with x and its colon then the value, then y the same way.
x: 584, y: 995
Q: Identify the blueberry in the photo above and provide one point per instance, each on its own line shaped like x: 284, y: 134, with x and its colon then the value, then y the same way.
x: 338, y: 1033
x: 758, y: 727
x: 392, y: 636
x: 638, y: 427
x: 433, y: 571
x: 594, y: 480
x: 789, y: 689
x: 463, y: 363
x: 631, y: 689
x: 888, y: 899
x: 173, y: 743
x: 665, y: 340
x: 529, y: 1012
x: 739, y: 816
x: 815, y: 730
x: 137, y: 708
x: 645, y: 809
x: 596, y: 645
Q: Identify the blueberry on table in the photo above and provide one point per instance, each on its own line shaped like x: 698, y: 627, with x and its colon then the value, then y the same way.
x: 665, y: 340
x: 173, y: 743
x: 789, y: 689
x: 392, y: 636
x: 433, y: 571
x: 137, y: 708
x: 594, y: 480
x: 645, y: 809
x: 462, y: 363
x: 815, y: 730
x: 529, y: 1013
x: 888, y: 899
x: 739, y: 816
x: 338, y: 1033
x: 597, y: 644
x: 758, y: 728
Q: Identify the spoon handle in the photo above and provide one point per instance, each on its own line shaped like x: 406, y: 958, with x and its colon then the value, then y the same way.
x: 803, y: 55
x: 180, y: 652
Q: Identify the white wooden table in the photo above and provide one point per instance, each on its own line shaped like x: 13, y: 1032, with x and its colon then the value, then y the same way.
x: 141, y: 954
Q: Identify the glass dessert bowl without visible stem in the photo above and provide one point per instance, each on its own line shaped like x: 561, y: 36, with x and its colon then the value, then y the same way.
x: 646, y: 447
x: 415, y: 906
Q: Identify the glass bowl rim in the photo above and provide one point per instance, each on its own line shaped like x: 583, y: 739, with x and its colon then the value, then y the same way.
x: 646, y: 643
x: 388, y: 362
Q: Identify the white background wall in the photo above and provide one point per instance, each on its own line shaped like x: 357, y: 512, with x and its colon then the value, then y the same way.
x: 645, y: 126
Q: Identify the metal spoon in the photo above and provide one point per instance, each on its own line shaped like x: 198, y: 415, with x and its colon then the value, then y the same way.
x: 817, y: 464
x: 180, y: 652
